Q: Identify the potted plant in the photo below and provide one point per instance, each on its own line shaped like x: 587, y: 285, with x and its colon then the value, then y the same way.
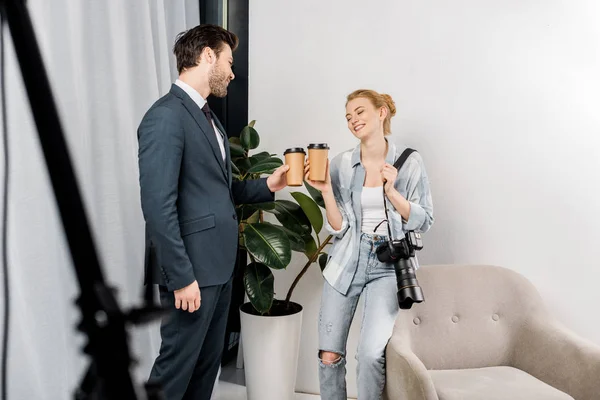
x: 271, y: 327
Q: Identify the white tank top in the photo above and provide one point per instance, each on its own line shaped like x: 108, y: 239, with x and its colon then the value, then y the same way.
x: 372, y: 210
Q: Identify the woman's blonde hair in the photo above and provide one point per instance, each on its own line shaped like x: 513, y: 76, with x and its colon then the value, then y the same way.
x: 378, y: 100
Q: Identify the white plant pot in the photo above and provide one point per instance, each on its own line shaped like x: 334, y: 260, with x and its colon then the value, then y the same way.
x: 270, y: 349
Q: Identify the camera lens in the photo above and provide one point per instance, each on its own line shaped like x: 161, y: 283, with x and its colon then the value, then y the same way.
x: 409, y: 291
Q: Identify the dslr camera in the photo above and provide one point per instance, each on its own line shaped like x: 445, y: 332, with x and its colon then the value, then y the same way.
x: 401, y: 253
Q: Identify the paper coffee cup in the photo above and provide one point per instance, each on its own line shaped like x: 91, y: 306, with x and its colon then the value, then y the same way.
x: 317, y: 156
x: 294, y: 157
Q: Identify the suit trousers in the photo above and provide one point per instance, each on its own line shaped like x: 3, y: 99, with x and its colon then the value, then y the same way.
x: 192, y: 344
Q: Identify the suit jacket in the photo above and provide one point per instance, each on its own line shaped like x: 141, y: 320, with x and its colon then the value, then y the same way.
x: 187, y: 195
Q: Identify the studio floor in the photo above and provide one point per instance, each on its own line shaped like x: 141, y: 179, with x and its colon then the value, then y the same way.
x: 231, y: 385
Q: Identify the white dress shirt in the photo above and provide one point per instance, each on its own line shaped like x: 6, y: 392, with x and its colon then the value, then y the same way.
x: 201, y: 102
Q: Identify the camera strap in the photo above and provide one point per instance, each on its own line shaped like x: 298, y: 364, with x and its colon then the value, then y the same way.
x: 403, y: 157
x: 398, y: 164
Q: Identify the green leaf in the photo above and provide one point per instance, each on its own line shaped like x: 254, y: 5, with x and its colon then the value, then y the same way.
x: 268, y: 245
x: 234, y: 140
x: 235, y: 150
x: 251, y: 124
x: 243, y: 164
x: 259, y: 282
x: 249, y: 138
x: 296, y: 241
x: 254, y: 218
x: 310, y: 247
x: 244, y: 211
x: 290, y: 215
x: 256, y: 160
x: 323, y: 261
x: 266, y: 166
x: 234, y: 169
x: 311, y: 209
x: 315, y: 194
x: 261, y: 156
x: 269, y: 206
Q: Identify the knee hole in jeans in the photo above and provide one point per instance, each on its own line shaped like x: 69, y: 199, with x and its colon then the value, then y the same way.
x: 330, y: 358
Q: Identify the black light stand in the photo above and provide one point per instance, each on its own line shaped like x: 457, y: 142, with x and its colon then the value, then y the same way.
x: 105, y: 324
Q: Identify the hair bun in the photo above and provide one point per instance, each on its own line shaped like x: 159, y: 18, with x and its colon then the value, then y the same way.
x: 390, y: 103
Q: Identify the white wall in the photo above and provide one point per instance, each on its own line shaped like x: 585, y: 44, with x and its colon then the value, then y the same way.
x: 500, y: 98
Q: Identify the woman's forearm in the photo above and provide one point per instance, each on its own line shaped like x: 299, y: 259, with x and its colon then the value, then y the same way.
x: 400, y: 203
x: 333, y: 214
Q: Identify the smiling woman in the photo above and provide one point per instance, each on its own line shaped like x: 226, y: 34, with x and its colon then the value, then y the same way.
x: 363, y: 100
x: 356, y: 217
x: 498, y: 98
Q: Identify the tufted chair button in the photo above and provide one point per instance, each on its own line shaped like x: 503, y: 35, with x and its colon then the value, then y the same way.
x: 455, y: 319
x: 417, y: 320
x: 495, y: 317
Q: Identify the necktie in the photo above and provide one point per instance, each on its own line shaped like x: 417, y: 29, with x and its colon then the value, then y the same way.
x: 206, y: 111
x: 221, y: 137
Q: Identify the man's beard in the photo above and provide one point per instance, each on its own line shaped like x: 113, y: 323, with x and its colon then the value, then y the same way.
x: 218, y: 82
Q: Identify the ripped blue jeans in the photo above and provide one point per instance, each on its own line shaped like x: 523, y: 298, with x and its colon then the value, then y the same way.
x: 376, y: 281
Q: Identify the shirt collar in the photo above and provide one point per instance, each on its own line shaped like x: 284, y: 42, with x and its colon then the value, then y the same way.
x: 194, y: 95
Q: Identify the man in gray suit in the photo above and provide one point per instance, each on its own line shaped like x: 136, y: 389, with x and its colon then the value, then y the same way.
x: 188, y: 201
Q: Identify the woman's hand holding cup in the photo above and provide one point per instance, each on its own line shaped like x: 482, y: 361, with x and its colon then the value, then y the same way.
x: 322, y: 186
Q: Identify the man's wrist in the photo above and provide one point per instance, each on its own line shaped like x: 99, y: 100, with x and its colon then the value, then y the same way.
x: 268, y: 183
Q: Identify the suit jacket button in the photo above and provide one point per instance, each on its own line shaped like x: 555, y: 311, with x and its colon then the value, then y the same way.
x: 234, y: 216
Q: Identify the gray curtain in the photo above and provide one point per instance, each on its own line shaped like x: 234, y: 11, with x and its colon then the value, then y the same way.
x: 108, y: 61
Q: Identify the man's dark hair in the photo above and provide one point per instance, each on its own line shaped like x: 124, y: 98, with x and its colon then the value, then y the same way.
x: 190, y: 44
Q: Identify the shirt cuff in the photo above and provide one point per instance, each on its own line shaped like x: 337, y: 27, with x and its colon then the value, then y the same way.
x: 415, y: 219
x: 337, y: 232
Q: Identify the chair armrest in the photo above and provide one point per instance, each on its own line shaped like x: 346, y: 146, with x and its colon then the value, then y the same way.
x: 557, y: 356
x: 406, y: 376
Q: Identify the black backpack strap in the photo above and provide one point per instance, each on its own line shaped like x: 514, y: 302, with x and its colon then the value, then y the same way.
x: 400, y: 161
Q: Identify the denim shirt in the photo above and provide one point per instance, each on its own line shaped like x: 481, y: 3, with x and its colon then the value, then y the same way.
x: 347, y: 180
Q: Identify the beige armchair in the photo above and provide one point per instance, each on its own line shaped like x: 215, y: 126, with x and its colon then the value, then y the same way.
x: 483, y: 333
